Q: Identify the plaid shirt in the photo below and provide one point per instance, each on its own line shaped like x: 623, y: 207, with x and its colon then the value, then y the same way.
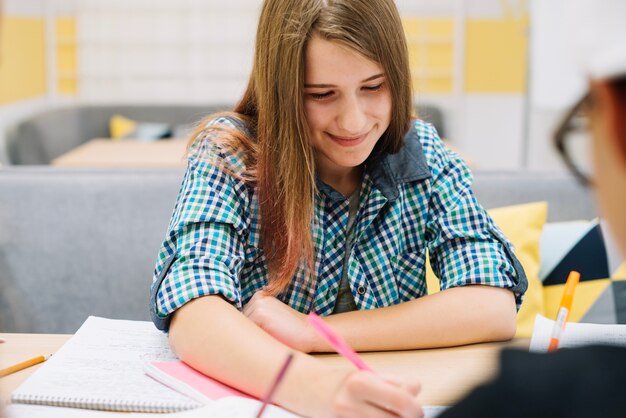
x: 416, y: 200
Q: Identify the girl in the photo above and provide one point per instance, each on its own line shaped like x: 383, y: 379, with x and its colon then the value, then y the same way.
x: 319, y: 193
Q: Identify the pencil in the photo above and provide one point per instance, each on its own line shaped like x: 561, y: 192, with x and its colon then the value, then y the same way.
x: 23, y: 365
x: 270, y: 393
x: 2, y: 340
x: 336, y: 342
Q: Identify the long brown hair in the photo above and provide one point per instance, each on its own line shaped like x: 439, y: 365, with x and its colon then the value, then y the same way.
x: 279, y: 157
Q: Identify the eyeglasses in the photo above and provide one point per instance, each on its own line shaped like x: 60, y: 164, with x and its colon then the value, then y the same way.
x: 573, y: 141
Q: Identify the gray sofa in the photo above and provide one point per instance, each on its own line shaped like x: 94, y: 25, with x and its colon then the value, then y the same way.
x: 42, y: 137
x: 79, y: 242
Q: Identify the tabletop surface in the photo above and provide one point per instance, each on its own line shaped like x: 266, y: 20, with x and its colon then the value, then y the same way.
x: 125, y: 153
x: 446, y: 374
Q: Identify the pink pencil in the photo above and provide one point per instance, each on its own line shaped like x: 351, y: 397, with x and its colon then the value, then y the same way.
x: 337, y: 342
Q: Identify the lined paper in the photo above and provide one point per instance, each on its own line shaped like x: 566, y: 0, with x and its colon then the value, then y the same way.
x: 101, y: 367
x: 576, y: 334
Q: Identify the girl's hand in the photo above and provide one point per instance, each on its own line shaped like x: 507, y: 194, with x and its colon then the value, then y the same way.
x: 281, y: 321
x: 363, y: 394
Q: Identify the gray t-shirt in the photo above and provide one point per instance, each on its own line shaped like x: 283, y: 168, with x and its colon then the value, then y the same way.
x: 345, y: 300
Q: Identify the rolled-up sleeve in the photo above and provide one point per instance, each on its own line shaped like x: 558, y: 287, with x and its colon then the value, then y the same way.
x: 465, y: 245
x: 204, y: 249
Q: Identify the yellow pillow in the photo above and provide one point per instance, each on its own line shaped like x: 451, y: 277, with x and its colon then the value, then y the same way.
x: 587, y: 294
x: 620, y: 273
x: 522, y: 225
x: 121, y: 126
x: 598, y: 295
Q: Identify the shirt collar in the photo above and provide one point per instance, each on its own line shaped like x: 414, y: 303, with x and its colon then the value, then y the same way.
x: 389, y: 171
x: 407, y: 165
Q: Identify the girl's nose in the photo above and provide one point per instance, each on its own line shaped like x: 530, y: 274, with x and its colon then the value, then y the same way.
x: 351, y: 119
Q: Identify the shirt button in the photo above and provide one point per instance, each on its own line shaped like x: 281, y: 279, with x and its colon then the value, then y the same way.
x: 361, y: 290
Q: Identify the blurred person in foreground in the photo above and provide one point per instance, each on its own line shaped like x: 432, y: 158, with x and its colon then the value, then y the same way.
x: 587, y: 381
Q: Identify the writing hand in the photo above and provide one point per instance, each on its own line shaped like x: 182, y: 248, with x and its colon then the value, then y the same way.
x: 363, y: 394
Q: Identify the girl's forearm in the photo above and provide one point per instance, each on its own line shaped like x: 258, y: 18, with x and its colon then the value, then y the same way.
x: 215, y: 338
x: 457, y: 316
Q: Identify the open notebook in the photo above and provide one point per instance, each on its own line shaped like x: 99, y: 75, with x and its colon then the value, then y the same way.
x: 102, y: 367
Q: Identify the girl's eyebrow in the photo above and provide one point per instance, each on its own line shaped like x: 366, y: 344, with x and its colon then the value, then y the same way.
x: 374, y: 77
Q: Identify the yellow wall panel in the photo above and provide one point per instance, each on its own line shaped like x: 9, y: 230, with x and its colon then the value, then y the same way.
x: 66, y: 28
x: 411, y: 26
x: 495, y: 56
x: 68, y: 86
x: 439, y: 85
x: 67, y: 63
x: 440, y: 27
x: 414, y: 59
x: 66, y: 58
x: 22, y: 59
x: 430, y: 44
x: 439, y: 57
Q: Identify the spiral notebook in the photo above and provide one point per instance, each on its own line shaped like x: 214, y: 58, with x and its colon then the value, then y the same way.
x: 102, y: 367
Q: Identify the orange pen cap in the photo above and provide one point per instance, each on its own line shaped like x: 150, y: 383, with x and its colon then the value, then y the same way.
x: 570, y: 288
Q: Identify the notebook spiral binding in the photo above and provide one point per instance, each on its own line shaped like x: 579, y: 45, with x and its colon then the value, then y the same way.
x: 101, y: 404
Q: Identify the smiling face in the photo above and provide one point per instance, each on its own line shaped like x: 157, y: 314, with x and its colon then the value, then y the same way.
x: 348, y: 107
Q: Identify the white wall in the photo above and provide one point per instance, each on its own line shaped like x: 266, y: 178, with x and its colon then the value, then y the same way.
x: 24, y: 7
x: 163, y: 51
x: 555, y: 82
x: 494, y: 130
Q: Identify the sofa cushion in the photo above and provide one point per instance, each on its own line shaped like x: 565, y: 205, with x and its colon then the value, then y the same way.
x: 584, y: 246
x: 37, y: 140
x: 523, y: 225
x: 75, y: 243
x: 124, y: 128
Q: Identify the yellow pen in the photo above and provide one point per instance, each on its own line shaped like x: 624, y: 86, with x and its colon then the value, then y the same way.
x: 564, y: 309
